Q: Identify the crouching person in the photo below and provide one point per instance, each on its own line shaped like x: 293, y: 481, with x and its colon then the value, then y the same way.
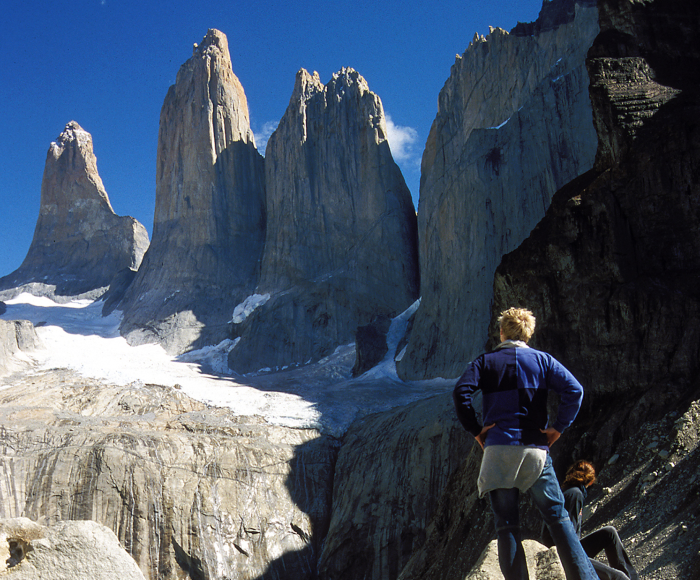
x: 514, y: 380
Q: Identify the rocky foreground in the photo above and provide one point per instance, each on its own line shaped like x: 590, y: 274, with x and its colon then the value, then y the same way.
x: 197, y: 491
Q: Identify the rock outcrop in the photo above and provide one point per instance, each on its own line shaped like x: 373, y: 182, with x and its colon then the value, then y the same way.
x: 74, y: 550
x: 387, y: 487
x: 542, y: 563
x: 190, y: 491
x: 341, y: 245
x: 18, y: 339
x: 514, y: 125
x: 79, y: 243
x: 209, y: 223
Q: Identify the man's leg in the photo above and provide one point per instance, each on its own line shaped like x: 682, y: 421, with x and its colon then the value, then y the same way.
x: 549, y: 500
x: 608, y: 539
x: 511, y: 556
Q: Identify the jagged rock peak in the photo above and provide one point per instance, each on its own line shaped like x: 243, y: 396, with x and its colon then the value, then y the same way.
x: 514, y: 124
x: 211, y: 62
x: 306, y: 86
x: 76, y: 144
x: 213, y: 40
x: 340, y: 243
x: 209, y: 219
x: 79, y: 243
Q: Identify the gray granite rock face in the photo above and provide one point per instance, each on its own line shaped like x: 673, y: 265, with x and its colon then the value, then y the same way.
x: 514, y: 124
x: 190, y: 491
x: 79, y: 243
x: 18, y: 339
x: 611, y: 272
x: 79, y: 550
x: 390, y: 473
x: 208, y: 227
x: 341, y: 242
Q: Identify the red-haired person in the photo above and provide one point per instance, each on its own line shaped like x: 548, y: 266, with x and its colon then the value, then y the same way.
x: 579, y: 477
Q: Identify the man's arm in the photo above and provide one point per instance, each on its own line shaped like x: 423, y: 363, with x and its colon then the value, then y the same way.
x: 463, y: 396
x: 561, y: 381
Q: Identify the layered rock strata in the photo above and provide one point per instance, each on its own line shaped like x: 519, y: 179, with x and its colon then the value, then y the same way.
x: 341, y: 243
x: 208, y: 227
x: 514, y: 124
x: 612, y: 274
x: 190, y: 491
x: 79, y: 243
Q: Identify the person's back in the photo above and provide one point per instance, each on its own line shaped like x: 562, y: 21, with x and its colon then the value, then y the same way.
x: 515, y: 436
x: 514, y: 381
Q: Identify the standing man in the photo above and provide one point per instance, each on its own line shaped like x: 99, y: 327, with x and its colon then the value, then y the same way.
x: 514, y: 380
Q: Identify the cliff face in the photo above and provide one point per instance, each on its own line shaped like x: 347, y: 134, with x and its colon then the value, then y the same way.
x: 208, y: 228
x: 190, y: 491
x: 341, y: 227
x: 387, y: 488
x: 513, y: 125
x: 79, y: 243
x: 612, y: 271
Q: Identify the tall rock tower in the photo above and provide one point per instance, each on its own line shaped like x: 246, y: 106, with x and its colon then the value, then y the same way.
x: 514, y: 124
x: 208, y: 229
x: 79, y: 243
x: 341, y: 243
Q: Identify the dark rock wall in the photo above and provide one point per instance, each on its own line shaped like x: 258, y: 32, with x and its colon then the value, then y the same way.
x: 613, y: 270
x: 612, y: 274
x: 514, y: 124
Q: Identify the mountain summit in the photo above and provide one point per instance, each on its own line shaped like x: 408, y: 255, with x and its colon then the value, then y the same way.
x: 208, y: 229
x: 79, y: 243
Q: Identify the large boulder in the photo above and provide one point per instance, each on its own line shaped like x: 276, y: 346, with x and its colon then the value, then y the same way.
x: 79, y: 243
x: 72, y: 550
x: 514, y: 124
x: 209, y: 222
x: 341, y: 245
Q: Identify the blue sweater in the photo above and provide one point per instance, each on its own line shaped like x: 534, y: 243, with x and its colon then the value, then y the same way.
x: 514, y: 383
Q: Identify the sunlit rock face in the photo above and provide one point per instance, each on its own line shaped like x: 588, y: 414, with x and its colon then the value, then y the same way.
x: 514, y: 124
x: 208, y: 228
x: 18, y: 339
x: 79, y: 550
x: 341, y: 243
x: 190, y: 491
x: 79, y: 243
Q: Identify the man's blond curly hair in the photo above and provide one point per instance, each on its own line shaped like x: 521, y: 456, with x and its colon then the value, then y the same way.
x: 517, y: 324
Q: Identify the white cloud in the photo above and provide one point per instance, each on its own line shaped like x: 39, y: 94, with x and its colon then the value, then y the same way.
x: 402, y: 141
x: 262, y: 136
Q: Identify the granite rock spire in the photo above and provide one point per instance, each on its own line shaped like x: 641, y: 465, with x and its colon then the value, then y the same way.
x: 341, y: 242
x: 208, y: 228
x: 514, y: 124
x: 79, y: 243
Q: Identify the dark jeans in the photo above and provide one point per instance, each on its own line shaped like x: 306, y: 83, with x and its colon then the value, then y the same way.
x: 608, y: 539
x: 549, y: 500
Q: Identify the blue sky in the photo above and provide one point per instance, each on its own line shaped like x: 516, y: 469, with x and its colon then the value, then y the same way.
x: 107, y: 64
